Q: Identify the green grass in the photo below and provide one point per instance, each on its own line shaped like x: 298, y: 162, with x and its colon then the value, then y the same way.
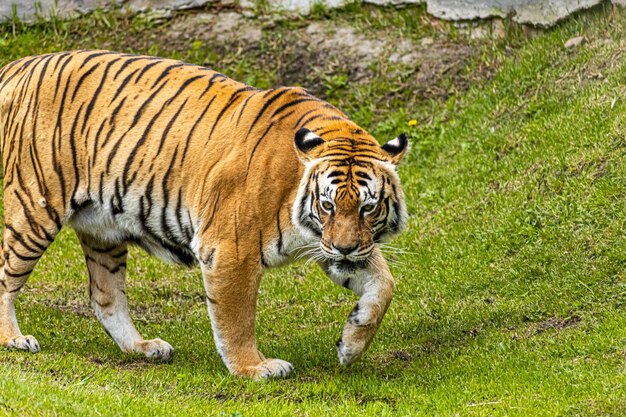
x: 511, y: 298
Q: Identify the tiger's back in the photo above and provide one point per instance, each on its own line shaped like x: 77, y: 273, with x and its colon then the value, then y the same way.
x: 185, y: 162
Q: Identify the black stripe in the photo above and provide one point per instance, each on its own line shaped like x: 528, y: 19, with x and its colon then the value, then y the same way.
x: 321, y: 132
x: 112, y: 124
x: 97, y: 54
x: 13, y: 275
x: 165, y: 228
x: 179, y: 216
x: 209, y: 221
x: 145, y: 69
x: 211, y: 82
x: 129, y: 61
x: 145, y: 104
x: 117, y: 145
x: 103, y: 250
x: 81, y: 80
x: 256, y: 145
x: 60, y: 76
x: 280, y: 234
x: 169, y: 126
x: 43, y: 235
x: 58, y: 146
x: 133, y: 153
x: 233, y: 98
x: 20, y: 71
x: 291, y: 104
x: 97, y: 140
x: 112, y: 270
x: 305, y: 114
x: 92, y: 102
x: 266, y: 106
x: 312, y: 118
x: 196, y: 123
x: 243, y: 108
x: 24, y: 257
x: 263, y: 261
x: 123, y: 85
x: 166, y: 72
x: 38, y: 248
x: 72, y: 140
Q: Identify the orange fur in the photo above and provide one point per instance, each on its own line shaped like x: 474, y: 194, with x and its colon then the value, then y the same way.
x: 195, y: 168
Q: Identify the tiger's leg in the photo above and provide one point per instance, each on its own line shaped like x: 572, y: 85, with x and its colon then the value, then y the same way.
x: 26, y: 237
x: 231, y: 292
x: 107, y: 274
x: 375, y: 285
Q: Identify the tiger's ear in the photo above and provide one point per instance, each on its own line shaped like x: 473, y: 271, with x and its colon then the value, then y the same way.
x: 305, y: 142
x: 397, y: 148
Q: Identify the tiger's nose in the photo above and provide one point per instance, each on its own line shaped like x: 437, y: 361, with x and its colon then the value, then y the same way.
x: 346, y: 250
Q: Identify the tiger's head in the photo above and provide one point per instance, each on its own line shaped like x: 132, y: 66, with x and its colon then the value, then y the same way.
x: 349, y: 198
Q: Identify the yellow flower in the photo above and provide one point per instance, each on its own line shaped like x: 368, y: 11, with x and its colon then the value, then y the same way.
x: 412, y: 122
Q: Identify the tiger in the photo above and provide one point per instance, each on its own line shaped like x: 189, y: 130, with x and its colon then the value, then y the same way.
x: 196, y: 169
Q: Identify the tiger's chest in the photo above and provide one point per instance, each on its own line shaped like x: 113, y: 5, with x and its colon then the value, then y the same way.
x: 288, y: 246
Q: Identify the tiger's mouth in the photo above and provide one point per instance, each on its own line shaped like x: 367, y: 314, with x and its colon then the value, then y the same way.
x: 345, y: 266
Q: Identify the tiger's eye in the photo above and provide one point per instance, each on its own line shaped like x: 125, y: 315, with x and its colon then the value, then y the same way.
x: 328, y: 206
x: 368, y: 207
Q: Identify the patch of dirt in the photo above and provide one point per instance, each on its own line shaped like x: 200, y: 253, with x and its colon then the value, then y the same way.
x: 320, y: 55
x: 132, y: 362
x: 393, y: 357
x: 74, y: 302
x: 401, y: 355
x: 225, y: 28
x: 554, y: 323
x: 74, y: 307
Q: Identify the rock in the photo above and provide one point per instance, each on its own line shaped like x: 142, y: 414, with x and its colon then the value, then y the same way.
x: 531, y: 31
x: 546, y: 13
x: 498, y: 30
x: 427, y: 41
x: 479, y: 32
x: 29, y: 10
x: 575, y: 42
x: 143, y: 5
x: 543, y: 13
x: 303, y: 6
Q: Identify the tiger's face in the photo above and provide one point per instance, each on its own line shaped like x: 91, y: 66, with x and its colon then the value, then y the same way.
x: 349, y: 197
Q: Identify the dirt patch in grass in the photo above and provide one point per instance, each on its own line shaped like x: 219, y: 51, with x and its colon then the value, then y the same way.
x: 73, y: 307
x: 133, y: 363
x: 557, y: 324
x: 324, y: 56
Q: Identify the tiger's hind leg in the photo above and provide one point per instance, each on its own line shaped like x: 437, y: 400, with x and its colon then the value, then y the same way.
x: 26, y: 237
x: 107, y: 275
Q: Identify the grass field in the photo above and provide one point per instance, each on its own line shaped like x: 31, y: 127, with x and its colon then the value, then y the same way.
x: 511, y: 282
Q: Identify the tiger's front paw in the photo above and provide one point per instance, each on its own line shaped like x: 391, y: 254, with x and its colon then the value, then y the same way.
x: 269, y: 368
x: 24, y: 343
x: 155, y: 349
x: 347, y: 353
x: 354, y: 342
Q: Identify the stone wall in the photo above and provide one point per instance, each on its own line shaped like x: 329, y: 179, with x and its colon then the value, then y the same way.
x: 534, y: 12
